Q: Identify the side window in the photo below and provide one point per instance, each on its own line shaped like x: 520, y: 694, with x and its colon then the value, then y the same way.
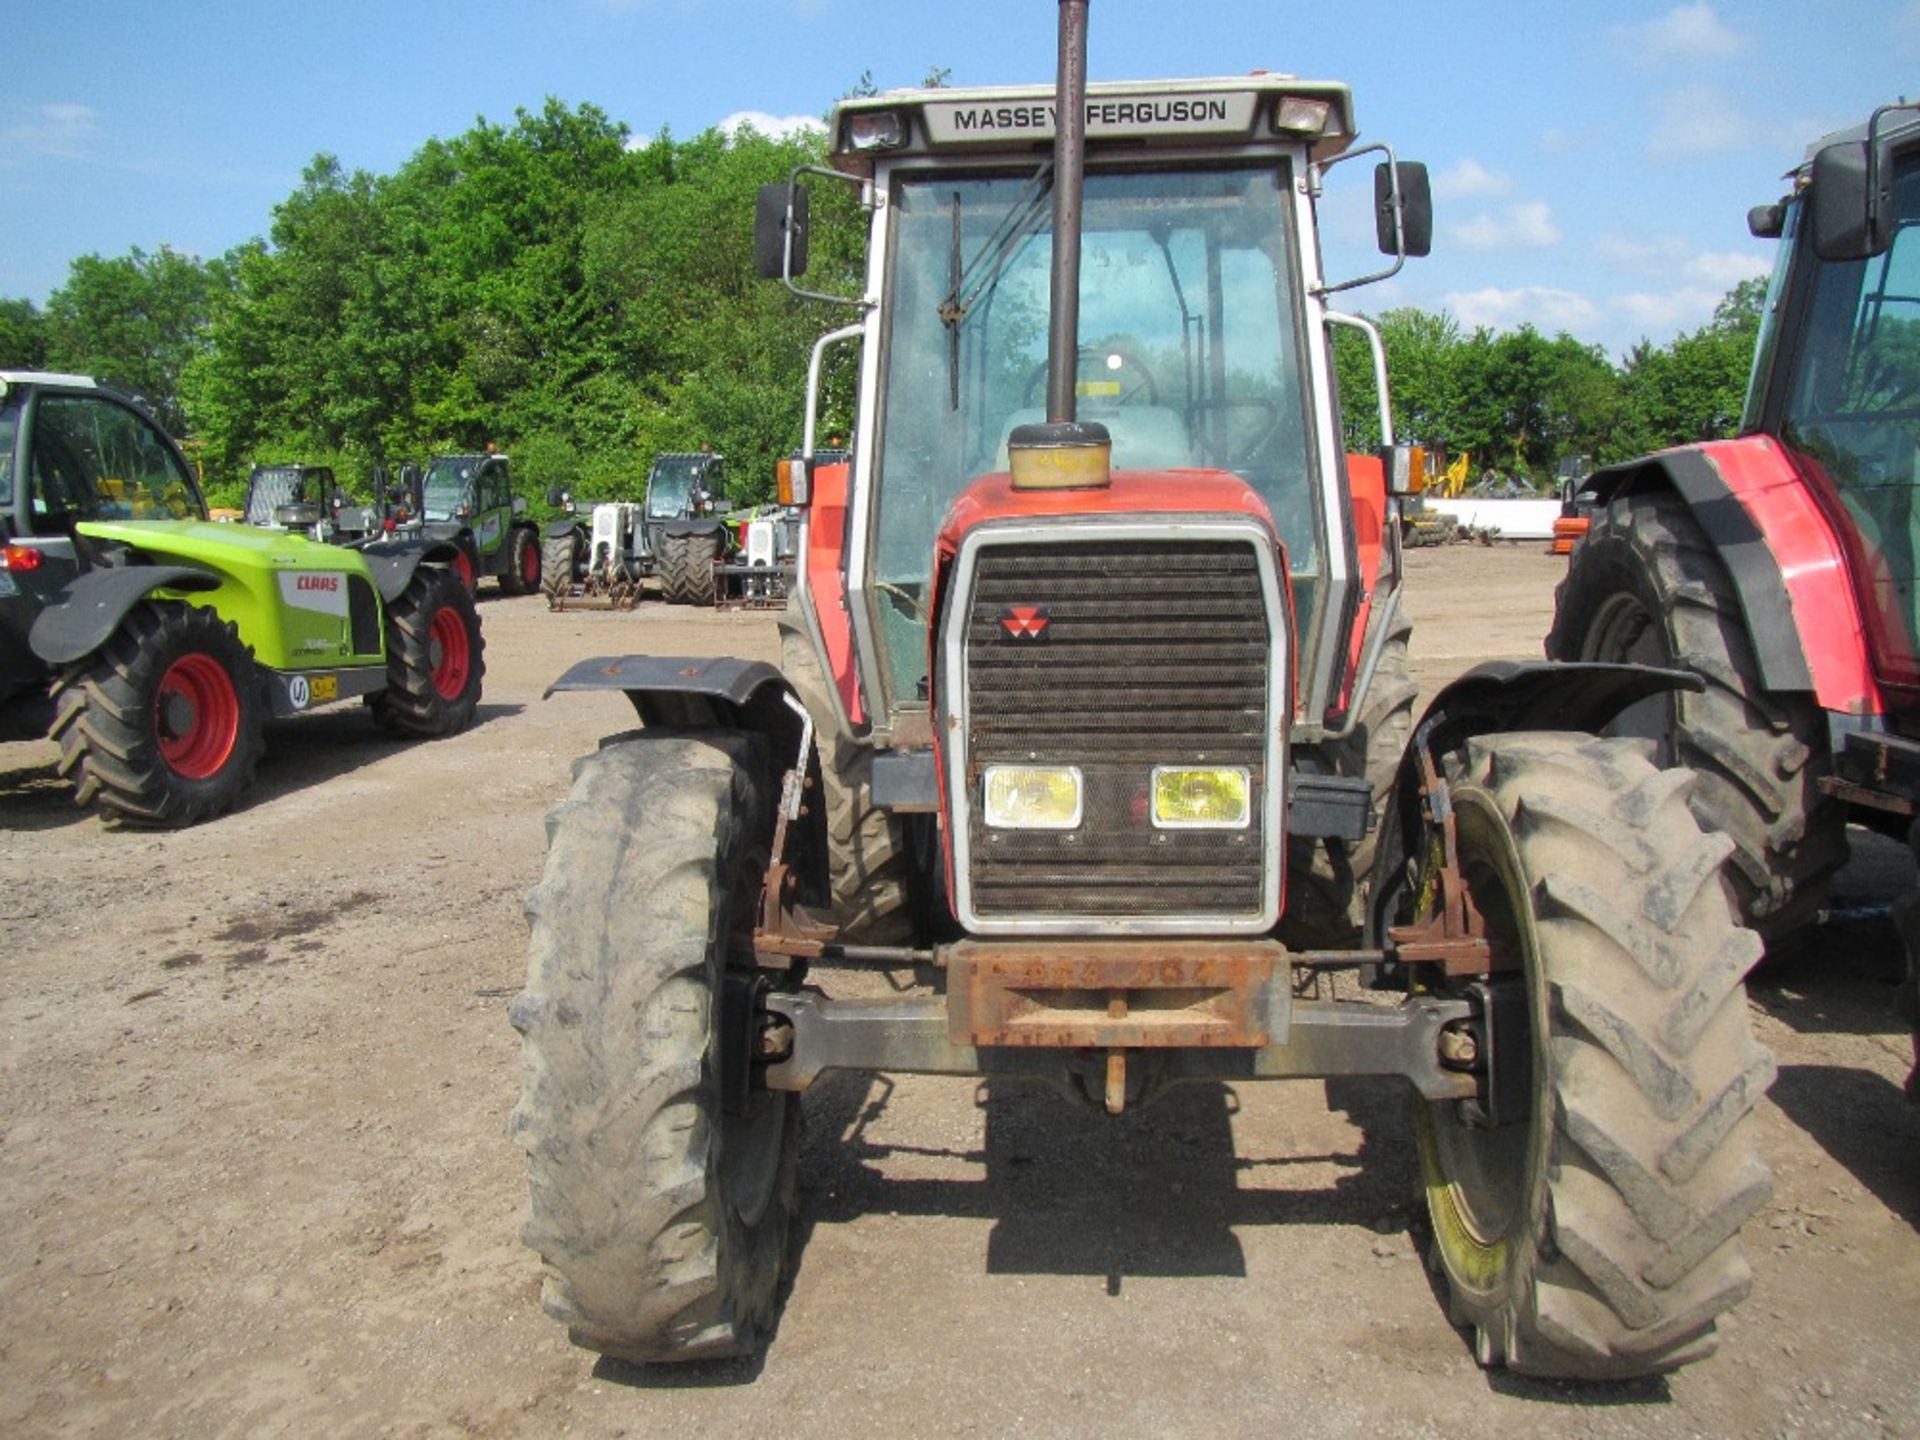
x: 493, y: 487
x: 9, y: 431
x: 95, y: 460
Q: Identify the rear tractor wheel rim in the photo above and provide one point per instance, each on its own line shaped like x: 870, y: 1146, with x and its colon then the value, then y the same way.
x: 448, y: 654
x: 196, y: 716
x: 1625, y: 632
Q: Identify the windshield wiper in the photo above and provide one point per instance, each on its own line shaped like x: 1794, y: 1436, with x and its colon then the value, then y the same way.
x: 977, y: 276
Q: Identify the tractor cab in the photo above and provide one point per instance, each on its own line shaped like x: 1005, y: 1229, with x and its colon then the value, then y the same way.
x: 289, y: 496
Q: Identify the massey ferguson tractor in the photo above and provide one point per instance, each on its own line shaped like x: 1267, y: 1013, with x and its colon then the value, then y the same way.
x: 1094, y: 702
x: 1780, y: 567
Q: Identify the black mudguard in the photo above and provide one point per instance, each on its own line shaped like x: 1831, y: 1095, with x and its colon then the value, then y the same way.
x: 707, y: 525
x: 725, y: 693
x: 1751, y: 563
x: 394, y: 561
x: 1500, y: 697
x: 560, y: 529
x: 90, y: 607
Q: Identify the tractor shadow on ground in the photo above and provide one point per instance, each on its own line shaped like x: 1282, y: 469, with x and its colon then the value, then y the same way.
x: 1071, y: 1191
x: 313, y: 749
x: 1864, y: 1122
x: 35, y: 797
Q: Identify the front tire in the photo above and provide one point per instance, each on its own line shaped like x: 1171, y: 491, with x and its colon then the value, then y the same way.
x: 661, y: 1217
x: 556, y: 565
x: 164, y: 724
x: 686, y: 568
x: 434, y: 657
x: 1599, y: 1237
x: 1645, y: 585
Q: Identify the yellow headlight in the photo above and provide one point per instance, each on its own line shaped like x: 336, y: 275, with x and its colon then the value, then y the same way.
x: 1032, y: 797
x: 1195, y: 798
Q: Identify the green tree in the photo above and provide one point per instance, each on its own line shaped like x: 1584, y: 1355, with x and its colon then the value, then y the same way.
x: 23, y: 336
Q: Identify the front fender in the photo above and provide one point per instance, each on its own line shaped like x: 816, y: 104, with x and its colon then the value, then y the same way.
x: 90, y: 607
x: 678, y: 529
x: 394, y: 561
x: 726, y: 693
x: 1500, y: 697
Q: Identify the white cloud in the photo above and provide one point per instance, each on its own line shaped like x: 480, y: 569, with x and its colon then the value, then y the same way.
x: 1727, y: 268
x: 1538, y: 305
x: 61, y: 131
x: 1699, y: 120
x: 1525, y: 225
x: 774, y: 127
x: 1469, y: 178
x: 1664, y: 312
x: 1685, y: 33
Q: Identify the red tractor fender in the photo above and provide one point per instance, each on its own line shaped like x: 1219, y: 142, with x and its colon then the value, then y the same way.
x: 827, y: 581
x: 1787, y: 562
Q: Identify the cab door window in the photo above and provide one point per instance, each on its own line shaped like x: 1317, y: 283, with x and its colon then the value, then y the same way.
x: 93, y: 459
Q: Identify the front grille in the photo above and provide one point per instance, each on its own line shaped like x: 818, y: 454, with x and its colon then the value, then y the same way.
x: 1151, y: 653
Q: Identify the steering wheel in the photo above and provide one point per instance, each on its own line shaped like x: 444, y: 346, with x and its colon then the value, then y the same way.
x: 1103, y: 356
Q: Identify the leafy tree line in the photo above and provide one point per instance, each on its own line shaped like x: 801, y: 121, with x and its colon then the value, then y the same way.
x: 584, y: 302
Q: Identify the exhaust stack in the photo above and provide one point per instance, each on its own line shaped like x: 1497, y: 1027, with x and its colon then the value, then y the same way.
x: 1063, y: 454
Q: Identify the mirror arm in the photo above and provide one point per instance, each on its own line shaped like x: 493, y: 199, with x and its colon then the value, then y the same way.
x: 868, y: 200
x: 1399, y: 237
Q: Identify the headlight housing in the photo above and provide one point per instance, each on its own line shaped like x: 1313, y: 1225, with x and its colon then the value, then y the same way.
x: 1032, y: 797
x: 1202, y: 797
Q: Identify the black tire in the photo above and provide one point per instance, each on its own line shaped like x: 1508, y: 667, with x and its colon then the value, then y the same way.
x: 1326, y: 879
x: 164, y: 724
x: 1599, y: 1238
x: 522, y: 575
x: 686, y: 568
x: 1644, y: 584
x: 868, y: 855
x: 662, y: 1219
x: 434, y: 657
x: 557, y: 556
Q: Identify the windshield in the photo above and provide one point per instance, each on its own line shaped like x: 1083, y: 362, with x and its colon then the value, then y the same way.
x: 449, y: 485
x: 1187, y: 355
x: 268, y: 490
x: 670, y: 487
x: 1853, y: 415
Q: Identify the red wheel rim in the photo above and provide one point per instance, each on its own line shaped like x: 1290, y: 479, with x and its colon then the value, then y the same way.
x: 452, y: 657
x: 463, y: 567
x: 529, y: 564
x: 196, y: 716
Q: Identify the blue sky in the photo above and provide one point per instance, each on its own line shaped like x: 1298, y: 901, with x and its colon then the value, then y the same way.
x: 1593, y: 162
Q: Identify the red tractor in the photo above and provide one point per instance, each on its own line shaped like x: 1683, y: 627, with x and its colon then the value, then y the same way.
x: 1780, y: 567
x: 1095, y: 701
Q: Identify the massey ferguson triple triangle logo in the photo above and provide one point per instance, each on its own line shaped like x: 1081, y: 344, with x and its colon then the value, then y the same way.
x: 1024, y: 622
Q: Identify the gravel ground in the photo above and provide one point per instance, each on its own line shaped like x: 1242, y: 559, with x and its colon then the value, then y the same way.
x: 254, y: 1080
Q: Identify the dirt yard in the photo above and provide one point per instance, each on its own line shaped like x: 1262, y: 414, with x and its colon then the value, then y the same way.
x: 255, y: 1179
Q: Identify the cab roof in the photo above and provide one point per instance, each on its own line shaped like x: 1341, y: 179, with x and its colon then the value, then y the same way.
x: 1221, y: 110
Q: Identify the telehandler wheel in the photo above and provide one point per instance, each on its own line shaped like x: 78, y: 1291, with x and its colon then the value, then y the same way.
x: 163, y: 725
x: 868, y: 856
x: 1326, y: 897
x: 686, y: 568
x: 1597, y: 1235
x: 556, y: 564
x: 434, y: 659
x: 1644, y: 584
x: 522, y: 575
x: 661, y: 1213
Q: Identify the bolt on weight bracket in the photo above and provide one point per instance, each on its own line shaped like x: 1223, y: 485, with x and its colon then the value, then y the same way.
x: 1453, y: 934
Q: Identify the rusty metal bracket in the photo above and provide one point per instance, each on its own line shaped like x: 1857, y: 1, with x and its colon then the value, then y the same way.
x: 1117, y: 994
x: 1452, y: 935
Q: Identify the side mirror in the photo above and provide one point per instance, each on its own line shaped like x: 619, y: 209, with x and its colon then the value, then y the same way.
x: 1415, y: 237
x: 519, y: 504
x: 555, y: 495
x: 1767, y: 222
x: 1846, y: 213
x: 771, y: 257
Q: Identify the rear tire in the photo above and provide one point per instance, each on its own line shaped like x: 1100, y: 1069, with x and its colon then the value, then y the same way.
x: 1599, y: 1237
x: 164, y: 724
x: 522, y: 575
x: 868, y: 857
x: 661, y: 1218
x: 1644, y: 584
x: 434, y: 657
x: 686, y: 568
